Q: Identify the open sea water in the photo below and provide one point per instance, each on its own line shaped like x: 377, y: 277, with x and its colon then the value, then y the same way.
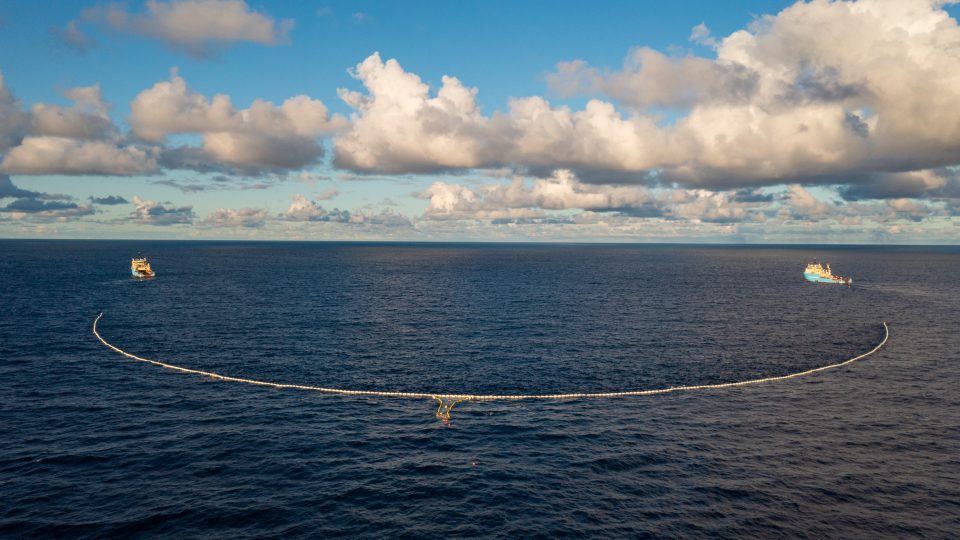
x: 93, y: 444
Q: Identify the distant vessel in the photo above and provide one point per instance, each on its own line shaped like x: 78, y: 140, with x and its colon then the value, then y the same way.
x: 140, y: 268
x: 816, y: 273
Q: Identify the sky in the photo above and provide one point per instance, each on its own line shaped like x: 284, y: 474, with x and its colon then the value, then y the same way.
x: 739, y: 121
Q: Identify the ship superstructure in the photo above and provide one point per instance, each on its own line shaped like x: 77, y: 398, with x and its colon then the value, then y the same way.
x: 140, y: 268
x: 817, y: 273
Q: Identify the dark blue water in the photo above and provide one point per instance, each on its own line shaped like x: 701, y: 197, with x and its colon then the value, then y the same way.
x: 93, y: 444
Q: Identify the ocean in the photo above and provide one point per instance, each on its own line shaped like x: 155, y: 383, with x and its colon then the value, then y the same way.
x: 93, y: 444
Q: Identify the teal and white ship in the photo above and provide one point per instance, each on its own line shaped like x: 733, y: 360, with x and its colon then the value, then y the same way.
x: 816, y: 273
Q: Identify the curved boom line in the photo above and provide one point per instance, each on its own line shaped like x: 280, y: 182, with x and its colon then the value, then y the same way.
x: 488, y: 397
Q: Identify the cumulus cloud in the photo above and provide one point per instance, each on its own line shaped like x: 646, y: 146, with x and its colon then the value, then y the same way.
x: 930, y: 183
x: 908, y: 209
x: 304, y: 209
x: 801, y: 205
x: 88, y: 118
x: 250, y: 218
x: 820, y: 93
x: 805, y: 205
x: 559, y: 192
x: 840, y: 87
x: 825, y: 114
x: 200, y: 28
x: 262, y: 137
x: 700, y: 205
x: 169, y: 107
x: 59, y: 155
x: 540, y: 205
x: 521, y: 200
x: 651, y: 79
x: 398, y: 127
x: 156, y: 213
x: 455, y: 202
x: 384, y: 218
x: 76, y: 140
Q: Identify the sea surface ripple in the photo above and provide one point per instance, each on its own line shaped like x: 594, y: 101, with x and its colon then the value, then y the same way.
x: 93, y: 444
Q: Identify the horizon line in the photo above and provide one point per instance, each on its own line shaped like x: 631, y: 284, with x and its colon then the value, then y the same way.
x: 479, y: 242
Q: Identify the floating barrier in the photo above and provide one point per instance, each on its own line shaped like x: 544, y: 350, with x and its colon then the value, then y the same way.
x: 448, y: 401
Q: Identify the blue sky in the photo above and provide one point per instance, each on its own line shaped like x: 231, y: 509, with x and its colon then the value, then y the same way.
x: 761, y: 125
x: 504, y: 48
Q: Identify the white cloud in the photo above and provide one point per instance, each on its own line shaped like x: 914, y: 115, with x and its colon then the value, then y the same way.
x: 521, y: 199
x: 250, y: 218
x: 76, y: 140
x: 520, y: 210
x: 89, y: 117
x: 384, y: 218
x: 701, y: 35
x: 908, y: 209
x: 651, y: 79
x: 156, y: 213
x: 197, y: 27
x: 699, y: 205
x: 559, y: 192
x: 823, y: 92
x: 169, y: 107
x: 263, y: 136
x: 456, y: 202
x: 59, y: 155
x: 304, y: 209
x: 398, y: 127
x: 840, y: 87
x: 805, y: 206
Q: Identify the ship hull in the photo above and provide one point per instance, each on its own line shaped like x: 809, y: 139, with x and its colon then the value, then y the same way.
x: 140, y: 274
x: 819, y: 279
